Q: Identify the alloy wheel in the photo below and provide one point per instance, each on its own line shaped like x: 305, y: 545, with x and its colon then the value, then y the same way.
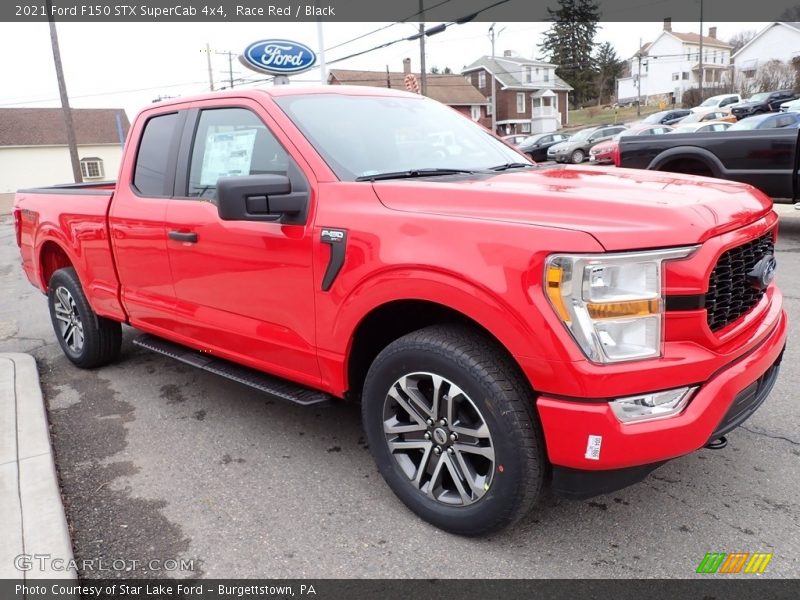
x: 70, y: 326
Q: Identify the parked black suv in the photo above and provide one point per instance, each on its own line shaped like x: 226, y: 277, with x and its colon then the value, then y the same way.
x: 761, y: 103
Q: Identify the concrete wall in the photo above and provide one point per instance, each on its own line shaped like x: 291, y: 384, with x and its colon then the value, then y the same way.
x: 33, y: 166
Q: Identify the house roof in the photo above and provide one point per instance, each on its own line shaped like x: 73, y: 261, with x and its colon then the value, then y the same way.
x: 694, y: 38
x: 452, y: 90
x: 509, y: 72
x: 791, y: 25
x: 45, y: 126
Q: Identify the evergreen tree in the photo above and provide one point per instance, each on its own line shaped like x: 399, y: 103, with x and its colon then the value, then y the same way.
x: 608, y: 67
x: 569, y: 43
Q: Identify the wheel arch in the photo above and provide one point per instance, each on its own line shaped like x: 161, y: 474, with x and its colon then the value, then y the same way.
x: 703, y: 161
x: 51, y: 257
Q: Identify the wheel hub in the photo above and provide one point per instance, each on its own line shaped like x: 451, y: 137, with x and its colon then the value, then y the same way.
x: 439, y: 439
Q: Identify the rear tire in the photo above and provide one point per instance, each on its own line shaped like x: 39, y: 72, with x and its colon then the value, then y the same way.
x: 87, y: 339
x: 452, y: 426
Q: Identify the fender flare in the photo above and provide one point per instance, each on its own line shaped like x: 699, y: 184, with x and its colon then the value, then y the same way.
x: 692, y: 152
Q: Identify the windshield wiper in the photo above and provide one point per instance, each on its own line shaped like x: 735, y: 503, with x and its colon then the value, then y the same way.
x: 411, y: 173
x: 511, y: 165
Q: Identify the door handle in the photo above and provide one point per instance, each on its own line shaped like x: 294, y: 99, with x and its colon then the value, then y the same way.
x: 183, y: 236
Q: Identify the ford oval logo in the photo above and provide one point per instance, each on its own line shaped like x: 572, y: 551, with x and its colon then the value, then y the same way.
x: 763, y: 272
x: 278, y: 57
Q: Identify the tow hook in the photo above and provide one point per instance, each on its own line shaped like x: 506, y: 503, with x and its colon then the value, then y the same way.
x: 717, y: 444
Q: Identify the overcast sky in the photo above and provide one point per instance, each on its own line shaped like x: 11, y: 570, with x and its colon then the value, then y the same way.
x: 127, y: 65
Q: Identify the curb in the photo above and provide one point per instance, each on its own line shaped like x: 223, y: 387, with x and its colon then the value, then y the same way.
x: 30, y: 500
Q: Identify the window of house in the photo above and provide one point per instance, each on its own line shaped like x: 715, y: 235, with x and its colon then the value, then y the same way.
x: 92, y: 167
x: 150, y: 173
x: 232, y: 142
x: 489, y: 107
x: 528, y: 74
x: 547, y: 74
x: 476, y: 112
x: 525, y: 127
x: 714, y: 56
x: 685, y: 75
x: 481, y: 79
x: 520, y: 102
x: 750, y: 73
x: 676, y: 76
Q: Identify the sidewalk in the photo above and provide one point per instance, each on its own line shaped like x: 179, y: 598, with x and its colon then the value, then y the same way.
x: 30, y: 501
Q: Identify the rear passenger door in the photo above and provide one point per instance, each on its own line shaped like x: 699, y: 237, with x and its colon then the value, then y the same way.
x: 136, y: 219
x: 244, y: 287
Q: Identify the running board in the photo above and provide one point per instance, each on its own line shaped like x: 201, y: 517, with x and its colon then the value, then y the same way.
x: 274, y: 386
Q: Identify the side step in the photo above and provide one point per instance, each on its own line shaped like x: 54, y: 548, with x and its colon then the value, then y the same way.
x: 274, y: 386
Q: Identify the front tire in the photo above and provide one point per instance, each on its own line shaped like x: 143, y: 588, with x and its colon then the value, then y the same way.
x: 577, y: 157
x: 453, y: 429
x: 87, y: 339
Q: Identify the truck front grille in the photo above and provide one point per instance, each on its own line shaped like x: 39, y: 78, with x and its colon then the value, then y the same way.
x: 730, y: 293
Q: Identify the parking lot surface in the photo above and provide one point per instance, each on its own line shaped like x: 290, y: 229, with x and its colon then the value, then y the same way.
x: 159, y: 461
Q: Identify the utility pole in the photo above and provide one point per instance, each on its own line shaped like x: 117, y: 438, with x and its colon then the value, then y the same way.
x: 493, y: 36
x: 62, y: 90
x: 639, y: 82
x: 700, y: 56
x: 423, y: 83
x: 210, y: 72
x: 323, y: 67
x: 230, y: 56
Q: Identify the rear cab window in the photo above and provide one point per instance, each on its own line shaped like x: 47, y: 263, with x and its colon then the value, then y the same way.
x: 152, y: 176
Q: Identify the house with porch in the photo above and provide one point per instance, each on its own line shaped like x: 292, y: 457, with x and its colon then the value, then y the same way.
x: 530, y: 97
x: 662, y: 70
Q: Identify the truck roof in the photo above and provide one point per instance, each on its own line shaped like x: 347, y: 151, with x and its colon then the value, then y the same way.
x: 290, y: 90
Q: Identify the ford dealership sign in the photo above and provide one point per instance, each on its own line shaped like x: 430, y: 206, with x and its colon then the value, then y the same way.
x: 278, y: 57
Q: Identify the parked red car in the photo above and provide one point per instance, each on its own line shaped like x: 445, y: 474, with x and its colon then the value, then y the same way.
x: 603, y: 153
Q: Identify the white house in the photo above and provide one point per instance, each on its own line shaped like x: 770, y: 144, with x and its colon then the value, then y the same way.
x: 670, y: 65
x: 530, y: 97
x: 779, y: 41
x: 34, y: 151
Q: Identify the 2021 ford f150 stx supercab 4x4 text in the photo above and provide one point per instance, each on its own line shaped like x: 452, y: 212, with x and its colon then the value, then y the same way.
x: 503, y: 326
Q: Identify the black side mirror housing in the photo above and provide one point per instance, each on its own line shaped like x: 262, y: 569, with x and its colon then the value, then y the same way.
x: 268, y: 197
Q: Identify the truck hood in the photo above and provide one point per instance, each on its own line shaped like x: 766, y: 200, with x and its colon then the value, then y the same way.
x: 623, y: 209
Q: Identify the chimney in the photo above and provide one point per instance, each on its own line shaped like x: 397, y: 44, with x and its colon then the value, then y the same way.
x: 406, y: 66
x: 507, y: 53
x: 712, y: 32
x: 668, y: 24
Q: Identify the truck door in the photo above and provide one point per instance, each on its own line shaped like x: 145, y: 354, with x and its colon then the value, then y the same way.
x: 136, y: 219
x: 244, y: 287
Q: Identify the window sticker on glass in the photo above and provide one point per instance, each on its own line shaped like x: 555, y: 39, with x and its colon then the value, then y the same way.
x: 227, y: 154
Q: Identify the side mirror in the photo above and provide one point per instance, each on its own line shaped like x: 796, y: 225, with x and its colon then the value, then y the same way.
x: 261, y: 198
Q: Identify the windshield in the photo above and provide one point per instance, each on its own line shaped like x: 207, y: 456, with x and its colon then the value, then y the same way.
x: 744, y: 125
x: 692, y: 118
x: 582, y: 135
x: 759, y: 97
x: 654, y: 118
x: 359, y: 136
x: 711, y: 101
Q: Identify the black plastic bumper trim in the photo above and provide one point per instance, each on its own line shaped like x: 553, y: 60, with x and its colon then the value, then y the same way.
x: 578, y: 484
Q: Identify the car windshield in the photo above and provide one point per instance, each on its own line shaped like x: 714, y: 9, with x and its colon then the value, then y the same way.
x: 582, y: 135
x: 360, y: 136
x: 759, y: 97
x: 531, y: 139
x: 655, y: 117
x: 692, y: 118
x: 744, y: 125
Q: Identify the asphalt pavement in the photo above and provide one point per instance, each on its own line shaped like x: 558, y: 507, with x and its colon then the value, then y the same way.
x: 159, y: 462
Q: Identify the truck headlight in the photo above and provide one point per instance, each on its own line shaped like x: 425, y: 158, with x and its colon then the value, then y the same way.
x: 612, y: 304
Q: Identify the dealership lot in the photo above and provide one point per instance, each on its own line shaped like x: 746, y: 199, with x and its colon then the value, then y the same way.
x: 159, y: 461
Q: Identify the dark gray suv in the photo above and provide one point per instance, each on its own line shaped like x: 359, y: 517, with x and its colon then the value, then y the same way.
x: 577, y: 148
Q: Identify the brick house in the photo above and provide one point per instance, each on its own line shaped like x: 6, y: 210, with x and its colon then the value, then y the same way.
x: 531, y: 98
x: 451, y: 90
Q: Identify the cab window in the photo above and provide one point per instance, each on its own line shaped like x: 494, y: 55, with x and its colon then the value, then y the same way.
x: 231, y: 142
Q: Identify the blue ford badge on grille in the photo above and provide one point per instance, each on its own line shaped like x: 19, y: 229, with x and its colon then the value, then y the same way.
x: 278, y: 57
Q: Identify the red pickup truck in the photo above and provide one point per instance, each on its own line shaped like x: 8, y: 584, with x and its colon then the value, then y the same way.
x: 504, y: 326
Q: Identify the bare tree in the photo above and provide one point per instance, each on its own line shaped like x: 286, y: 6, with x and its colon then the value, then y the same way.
x: 775, y: 75
x: 740, y: 38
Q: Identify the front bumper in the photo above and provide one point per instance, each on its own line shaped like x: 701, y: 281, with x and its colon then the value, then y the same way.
x: 723, y: 402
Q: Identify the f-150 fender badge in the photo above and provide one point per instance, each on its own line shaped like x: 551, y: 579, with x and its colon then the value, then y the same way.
x: 337, y: 240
